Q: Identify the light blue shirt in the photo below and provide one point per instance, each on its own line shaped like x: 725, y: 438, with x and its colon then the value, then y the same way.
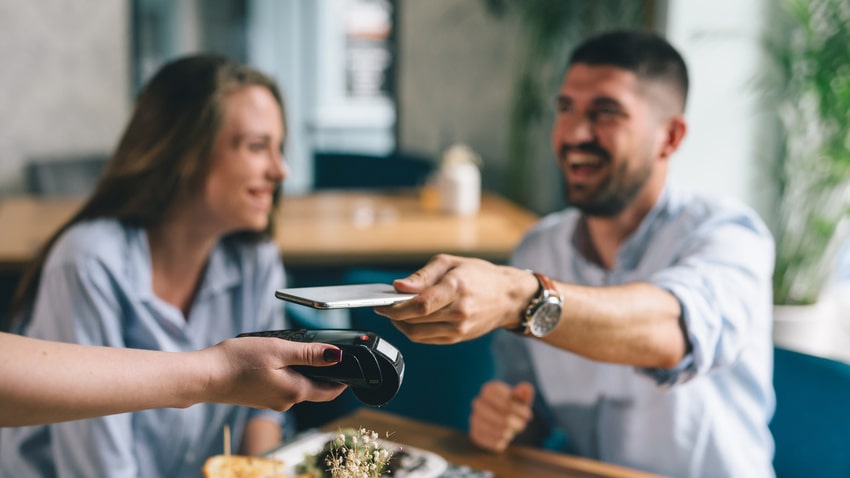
x: 96, y: 289
x: 709, y: 416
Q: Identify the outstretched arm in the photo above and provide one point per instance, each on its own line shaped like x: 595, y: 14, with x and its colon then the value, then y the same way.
x: 463, y: 298
x: 45, y: 382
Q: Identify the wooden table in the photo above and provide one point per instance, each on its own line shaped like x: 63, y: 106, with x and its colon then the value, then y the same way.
x: 339, y: 229
x: 455, y: 447
x: 26, y: 222
x: 374, y: 228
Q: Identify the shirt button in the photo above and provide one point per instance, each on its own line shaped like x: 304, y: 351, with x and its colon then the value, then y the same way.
x: 190, y: 457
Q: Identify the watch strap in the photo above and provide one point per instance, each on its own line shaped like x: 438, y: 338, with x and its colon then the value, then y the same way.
x: 545, y: 285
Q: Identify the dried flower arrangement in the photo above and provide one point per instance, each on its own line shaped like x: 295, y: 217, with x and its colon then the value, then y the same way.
x: 349, y: 454
x: 357, y: 455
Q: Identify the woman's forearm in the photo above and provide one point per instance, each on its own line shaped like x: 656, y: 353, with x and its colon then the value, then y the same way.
x: 43, y: 381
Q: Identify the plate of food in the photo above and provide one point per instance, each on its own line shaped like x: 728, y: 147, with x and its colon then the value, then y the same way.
x: 314, y: 454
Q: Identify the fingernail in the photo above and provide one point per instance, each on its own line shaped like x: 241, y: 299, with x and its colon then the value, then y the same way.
x: 332, y: 355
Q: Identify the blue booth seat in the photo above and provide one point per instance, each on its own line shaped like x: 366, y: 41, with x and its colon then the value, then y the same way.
x: 69, y: 176
x: 812, y: 419
x: 343, y: 170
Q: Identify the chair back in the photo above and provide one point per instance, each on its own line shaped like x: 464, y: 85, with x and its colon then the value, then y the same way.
x: 812, y: 419
x: 337, y: 170
x: 71, y: 176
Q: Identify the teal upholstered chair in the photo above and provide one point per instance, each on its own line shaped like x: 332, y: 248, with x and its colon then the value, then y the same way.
x: 64, y: 176
x: 343, y: 170
x: 811, y: 425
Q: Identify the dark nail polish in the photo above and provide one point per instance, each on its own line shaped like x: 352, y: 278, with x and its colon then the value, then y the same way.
x: 332, y: 355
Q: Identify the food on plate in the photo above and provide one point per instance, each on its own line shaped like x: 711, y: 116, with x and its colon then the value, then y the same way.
x: 350, y: 453
x: 241, y: 466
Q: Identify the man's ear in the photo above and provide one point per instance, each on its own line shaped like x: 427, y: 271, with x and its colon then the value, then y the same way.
x: 674, y: 134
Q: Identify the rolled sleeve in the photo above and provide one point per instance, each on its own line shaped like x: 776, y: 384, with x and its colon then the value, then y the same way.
x: 722, y: 281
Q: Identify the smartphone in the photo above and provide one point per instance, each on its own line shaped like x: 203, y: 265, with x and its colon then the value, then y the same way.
x: 343, y: 296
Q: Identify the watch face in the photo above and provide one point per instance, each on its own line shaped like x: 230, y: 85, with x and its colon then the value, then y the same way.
x: 546, y: 317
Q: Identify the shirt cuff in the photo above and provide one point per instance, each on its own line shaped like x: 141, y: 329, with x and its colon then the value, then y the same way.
x: 666, y: 378
x: 267, y: 414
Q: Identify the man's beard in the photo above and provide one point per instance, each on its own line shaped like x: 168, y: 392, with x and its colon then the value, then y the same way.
x: 616, y: 192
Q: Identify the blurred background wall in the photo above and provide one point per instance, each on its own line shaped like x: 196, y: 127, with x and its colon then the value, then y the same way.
x: 455, y: 72
x: 730, y: 141
x: 64, y: 81
x: 71, y: 70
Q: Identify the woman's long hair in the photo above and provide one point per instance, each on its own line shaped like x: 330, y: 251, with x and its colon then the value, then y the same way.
x: 163, y: 157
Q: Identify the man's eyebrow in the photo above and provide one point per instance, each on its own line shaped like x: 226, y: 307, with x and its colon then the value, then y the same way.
x: 598, y: 101
x: 606, y: 101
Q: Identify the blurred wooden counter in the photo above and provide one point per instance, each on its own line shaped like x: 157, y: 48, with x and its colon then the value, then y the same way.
x: 336, y: 228
x: 373, y: 228
x: 26, y: 222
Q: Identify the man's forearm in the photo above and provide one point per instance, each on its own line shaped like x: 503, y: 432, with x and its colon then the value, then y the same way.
x: 636, y: 324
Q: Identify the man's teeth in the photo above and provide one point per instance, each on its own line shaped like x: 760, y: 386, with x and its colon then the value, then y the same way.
x: 585, y: 162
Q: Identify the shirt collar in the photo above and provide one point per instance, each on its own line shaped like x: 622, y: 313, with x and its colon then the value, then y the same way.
x: 221, y: 272
x: 635, y: 244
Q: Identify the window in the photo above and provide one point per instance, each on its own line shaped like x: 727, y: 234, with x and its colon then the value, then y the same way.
x: 334, y: 60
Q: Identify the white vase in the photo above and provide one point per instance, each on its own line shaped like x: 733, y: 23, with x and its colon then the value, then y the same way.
x: 459, y: 181
x: 810, y: 329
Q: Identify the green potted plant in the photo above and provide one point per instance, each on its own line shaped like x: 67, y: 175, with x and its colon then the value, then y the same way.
x: 809, y: 87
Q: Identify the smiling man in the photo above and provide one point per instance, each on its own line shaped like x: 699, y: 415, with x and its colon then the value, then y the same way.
x: 643, y: 334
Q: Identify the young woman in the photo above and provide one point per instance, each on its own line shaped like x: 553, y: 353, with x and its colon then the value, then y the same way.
x: 171, y: 252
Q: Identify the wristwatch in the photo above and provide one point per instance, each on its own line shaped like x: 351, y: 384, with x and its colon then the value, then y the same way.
x: 544, y: 311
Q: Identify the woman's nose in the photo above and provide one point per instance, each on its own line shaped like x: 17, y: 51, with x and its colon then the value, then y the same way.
x: 279, y: 169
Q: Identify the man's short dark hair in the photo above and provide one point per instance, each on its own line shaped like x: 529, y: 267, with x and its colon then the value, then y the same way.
x: 646, y: 54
